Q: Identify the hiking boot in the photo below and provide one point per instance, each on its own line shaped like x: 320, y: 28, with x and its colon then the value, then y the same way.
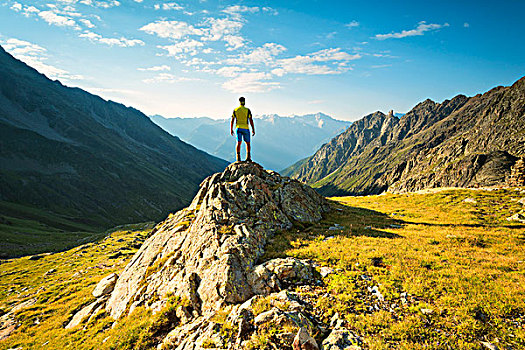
x: 248, y: 157
x: 238, y: 157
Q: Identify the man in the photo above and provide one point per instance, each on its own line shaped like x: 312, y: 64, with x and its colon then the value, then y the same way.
x: 242, y: 115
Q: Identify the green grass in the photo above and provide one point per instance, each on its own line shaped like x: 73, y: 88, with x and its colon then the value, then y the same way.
x: 26, y: 230
x: 464, y: 261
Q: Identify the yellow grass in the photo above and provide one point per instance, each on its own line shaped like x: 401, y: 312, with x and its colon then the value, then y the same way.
x: 464, y: 261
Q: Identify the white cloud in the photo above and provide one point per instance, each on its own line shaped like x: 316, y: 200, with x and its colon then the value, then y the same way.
x: 333, y: 55
x: 352, y: 24
x: 171, y: 29
x: 270, y: 11
x: 101, y: 4
x: 30, y: 10
x: 188, y: 46
x: 234, y: 42
x: 236, y: 10
x: 35, y: 55
x: 333, y: 61
x: 16, y: 7
x: 87, y: 23
x: 251, y: 82
x: 230, y: 71
x: 219, y: 28
x: 261, y: 55
x: 168, y: 6
x: 122, y: 42
x: 58, y: 20
x: 167, y: 78
x: 155, y: 68
x: 419, y: 30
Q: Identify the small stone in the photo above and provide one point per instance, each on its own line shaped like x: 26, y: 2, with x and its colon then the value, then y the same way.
x: 35, y: 257
x: 427, y: 311
x: 470, y: 200
x: 489, y: 346
x: 304, y: 341
x: 325, y: 271
x: 48, y: 272
x: 517, y: 217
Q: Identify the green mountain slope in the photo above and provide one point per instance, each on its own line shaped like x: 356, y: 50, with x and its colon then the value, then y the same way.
x: 461, y: 142
x: 86, y: 160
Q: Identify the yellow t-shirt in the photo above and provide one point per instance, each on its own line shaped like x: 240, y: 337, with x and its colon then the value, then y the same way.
x: 241, y: 115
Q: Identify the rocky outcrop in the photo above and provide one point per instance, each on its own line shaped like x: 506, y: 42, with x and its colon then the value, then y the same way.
x: 462, y: 142
x: 517, y: 174
x: 207, y: 252
x: 207, y: 256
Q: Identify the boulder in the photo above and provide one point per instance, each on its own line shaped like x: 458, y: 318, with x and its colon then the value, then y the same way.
x: 304, y: 341
x: 274, y: 274
x: 85, y: 313
x: 341, y: 339
x: 105, y: 286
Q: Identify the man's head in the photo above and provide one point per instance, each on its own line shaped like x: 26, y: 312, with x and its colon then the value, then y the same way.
x: 242, y: 100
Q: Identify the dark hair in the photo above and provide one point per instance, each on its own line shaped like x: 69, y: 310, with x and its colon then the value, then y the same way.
x: 241, y: 99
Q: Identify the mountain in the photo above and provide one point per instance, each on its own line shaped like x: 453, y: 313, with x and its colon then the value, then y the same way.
x: 85, y: 160
x: 279, y: 141
x: 462, y: 142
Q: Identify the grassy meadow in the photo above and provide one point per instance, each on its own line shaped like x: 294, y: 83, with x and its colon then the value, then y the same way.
x: 409, y: 271
x: 451, y: 272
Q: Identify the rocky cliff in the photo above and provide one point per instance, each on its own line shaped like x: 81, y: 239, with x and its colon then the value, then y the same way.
x: 207, y: 256
x: 462, y: 142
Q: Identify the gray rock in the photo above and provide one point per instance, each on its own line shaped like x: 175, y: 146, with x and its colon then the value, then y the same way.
x: 427, y: 311
x: 207, y: 251
x: 325, y: 271
x: 517, y: 217
x: 341, y: 339
x: 489, y: 346
x: 304, y: 341
x: 85, y: 313
x: 105, y: 286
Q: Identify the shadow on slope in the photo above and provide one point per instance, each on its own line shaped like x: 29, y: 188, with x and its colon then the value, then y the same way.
x: 341, y: 221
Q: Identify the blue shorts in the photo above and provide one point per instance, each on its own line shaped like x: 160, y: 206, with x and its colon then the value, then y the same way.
x: 243, y: 134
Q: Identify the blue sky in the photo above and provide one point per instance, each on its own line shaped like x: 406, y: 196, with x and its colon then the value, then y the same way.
x: 344, y: 58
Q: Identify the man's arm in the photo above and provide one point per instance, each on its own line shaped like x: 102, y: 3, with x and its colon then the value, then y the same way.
x: 231, y: 123
x: 251, y: 123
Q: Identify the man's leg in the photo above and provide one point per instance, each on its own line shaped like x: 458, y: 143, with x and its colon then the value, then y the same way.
x: 238, y: 149
x: 248, y: 149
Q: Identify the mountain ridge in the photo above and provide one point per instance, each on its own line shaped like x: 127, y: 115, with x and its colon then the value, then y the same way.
x: 86, y: 159
x: 420, y: 149
x: 279, y: 141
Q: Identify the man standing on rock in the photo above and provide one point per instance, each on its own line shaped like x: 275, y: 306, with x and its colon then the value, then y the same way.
x: 242, y: 115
